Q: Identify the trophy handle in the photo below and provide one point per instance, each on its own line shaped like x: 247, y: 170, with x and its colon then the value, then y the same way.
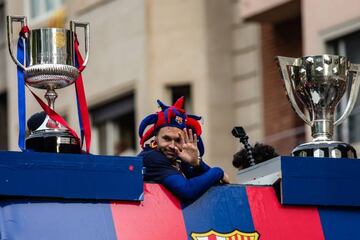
x: 9, y: 24
x: 73, y: 26
x: 354, y: 90
x: 284, y: 62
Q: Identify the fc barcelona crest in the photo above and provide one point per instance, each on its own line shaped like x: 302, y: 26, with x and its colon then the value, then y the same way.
x: 179, y: 119
x: 234, y: 235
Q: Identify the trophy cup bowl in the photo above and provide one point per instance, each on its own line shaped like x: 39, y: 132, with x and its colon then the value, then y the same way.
x: 51, y: 65
x: 51, y: 59
x: 318, y: 83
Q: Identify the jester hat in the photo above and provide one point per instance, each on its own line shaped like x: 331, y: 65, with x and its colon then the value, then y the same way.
x: 170, y: 116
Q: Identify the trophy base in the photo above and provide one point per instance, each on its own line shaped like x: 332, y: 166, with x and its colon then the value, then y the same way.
x: 55, y: 142
x: 327, y: 149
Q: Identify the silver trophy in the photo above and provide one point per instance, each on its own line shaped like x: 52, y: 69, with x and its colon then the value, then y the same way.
x: 317, y: 83
x: 51, y: 65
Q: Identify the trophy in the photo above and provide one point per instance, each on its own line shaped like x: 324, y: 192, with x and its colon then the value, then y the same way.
x: 50, y: 64
x: 317, y: 83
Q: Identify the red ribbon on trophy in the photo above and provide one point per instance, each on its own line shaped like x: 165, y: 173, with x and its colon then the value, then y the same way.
x: 84, y: 119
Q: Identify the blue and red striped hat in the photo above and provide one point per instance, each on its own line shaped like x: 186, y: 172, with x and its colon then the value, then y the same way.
x: 170, y: 116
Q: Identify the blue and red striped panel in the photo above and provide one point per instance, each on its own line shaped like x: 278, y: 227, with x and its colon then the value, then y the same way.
x: 226, y: 208
x: 223, y: 210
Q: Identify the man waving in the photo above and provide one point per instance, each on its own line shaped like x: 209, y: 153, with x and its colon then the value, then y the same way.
x: 173, y: 158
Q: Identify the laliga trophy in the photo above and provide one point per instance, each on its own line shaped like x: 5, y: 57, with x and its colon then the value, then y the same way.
x: 50, y: 64
x: 318, y: 83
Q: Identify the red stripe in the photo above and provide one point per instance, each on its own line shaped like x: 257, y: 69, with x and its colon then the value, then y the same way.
x: 80, y: 92
x: 276, y: 222
x: 159, y: 216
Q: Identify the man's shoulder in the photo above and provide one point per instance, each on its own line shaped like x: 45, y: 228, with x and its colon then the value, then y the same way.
x: 153, y: 156
x: 157, y: 166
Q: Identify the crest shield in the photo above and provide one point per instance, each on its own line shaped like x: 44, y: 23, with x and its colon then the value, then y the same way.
x: 234, y: 235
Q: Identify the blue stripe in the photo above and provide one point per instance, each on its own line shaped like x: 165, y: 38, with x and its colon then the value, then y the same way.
x: 340, y: 223
x: 43, y: 220
x: 222, y: 209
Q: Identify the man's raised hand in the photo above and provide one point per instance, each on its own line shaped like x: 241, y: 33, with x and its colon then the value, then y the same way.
x: 189, y: 152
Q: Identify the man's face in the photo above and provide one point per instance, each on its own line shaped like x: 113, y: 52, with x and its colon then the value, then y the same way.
x: 168, y: 139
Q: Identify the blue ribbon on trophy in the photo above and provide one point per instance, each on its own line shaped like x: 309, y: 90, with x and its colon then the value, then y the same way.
x: 21, y: 87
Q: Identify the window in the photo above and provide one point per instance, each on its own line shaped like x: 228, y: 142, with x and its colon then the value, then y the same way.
x: 348, y: 46
x: 179, y: 91
x: 43, y: 8
x: 114, y: 124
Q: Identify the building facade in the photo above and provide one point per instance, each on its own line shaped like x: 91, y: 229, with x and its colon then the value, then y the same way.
x: 219, y: 54
x: 141, y: 51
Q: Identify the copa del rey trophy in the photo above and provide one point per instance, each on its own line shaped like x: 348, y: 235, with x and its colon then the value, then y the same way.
x: 49, y: 63
x: 318, y: 83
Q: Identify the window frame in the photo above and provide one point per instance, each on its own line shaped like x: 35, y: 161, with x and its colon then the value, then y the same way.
x: 44, y: 14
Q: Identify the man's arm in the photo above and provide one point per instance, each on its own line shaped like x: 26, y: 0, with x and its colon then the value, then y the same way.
x: 189, y: 189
